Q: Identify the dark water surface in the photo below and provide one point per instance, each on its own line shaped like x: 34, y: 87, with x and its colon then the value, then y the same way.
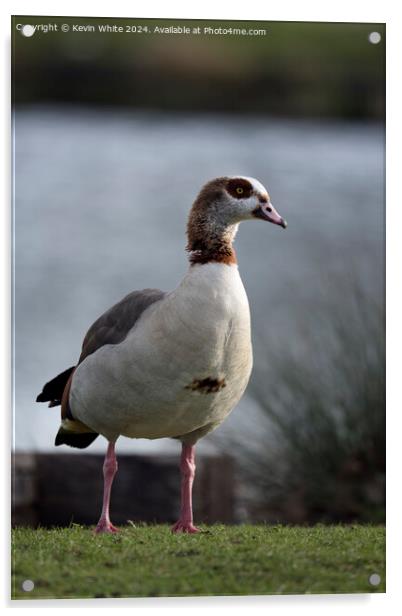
x: 101, y: 201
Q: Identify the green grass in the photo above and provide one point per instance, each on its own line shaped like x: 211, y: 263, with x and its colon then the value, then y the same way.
x: 148, y: 561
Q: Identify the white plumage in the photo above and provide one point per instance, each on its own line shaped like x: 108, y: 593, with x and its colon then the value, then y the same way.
x: 143, y: 387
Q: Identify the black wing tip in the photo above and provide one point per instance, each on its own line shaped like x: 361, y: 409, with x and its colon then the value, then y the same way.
x: 53, y: 390
x: 79, y: 440
x: 42, y: 398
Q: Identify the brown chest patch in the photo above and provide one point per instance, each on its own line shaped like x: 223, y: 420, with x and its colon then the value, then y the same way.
x: 207, y: 386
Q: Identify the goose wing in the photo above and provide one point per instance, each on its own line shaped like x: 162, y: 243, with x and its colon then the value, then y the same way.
x: 114, y: 324
x: 111, y: 328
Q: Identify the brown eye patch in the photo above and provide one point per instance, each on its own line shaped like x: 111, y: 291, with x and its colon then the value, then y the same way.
x: 239, y: 188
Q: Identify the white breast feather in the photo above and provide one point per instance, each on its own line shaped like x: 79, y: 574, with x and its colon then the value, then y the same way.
x: 145, y: 387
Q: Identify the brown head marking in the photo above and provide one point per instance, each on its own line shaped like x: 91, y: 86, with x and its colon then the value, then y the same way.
x: 209, y: 240
x: 239, y: 188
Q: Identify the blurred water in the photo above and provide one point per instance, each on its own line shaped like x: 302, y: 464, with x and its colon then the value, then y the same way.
x: 101, y: 201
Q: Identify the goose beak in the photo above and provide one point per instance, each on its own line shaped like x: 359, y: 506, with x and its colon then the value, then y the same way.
x: 266, y: 211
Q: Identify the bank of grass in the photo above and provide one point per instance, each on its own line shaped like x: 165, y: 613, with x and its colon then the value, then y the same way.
x: 148, y: 561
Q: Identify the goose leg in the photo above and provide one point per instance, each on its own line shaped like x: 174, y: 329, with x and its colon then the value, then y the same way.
x: 109, y: 470
x: 187, y: 468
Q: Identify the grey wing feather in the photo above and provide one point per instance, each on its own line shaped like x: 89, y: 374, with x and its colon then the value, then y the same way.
x: 114, y: 324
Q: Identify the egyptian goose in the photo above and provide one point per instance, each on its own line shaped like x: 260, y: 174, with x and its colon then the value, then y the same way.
x: 172, y: 364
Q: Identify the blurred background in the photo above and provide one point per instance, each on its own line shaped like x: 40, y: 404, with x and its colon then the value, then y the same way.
x: 114, y: 134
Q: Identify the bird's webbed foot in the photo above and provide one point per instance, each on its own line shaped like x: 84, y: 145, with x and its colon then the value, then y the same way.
x: 184, y: 527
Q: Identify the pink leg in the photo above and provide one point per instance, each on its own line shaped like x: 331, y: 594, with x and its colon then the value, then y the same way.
x: 109, y: 471
x: 187, y: 467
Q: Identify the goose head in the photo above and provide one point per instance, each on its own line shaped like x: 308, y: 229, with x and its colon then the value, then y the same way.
x: 230, y: 200
x: 247, y: 198
x: 217, y: 211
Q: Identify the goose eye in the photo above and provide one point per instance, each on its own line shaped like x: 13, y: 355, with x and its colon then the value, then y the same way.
x: 239, y: 190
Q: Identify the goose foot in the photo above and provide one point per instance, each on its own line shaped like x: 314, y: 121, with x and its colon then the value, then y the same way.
x: 184, y: 527
x: 104, y: 526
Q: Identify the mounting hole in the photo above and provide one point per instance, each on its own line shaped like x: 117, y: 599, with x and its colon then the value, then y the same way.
x: 374, y: 38
x: 27, y: 30
x: 374, y: 579
x: 28, y: 585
